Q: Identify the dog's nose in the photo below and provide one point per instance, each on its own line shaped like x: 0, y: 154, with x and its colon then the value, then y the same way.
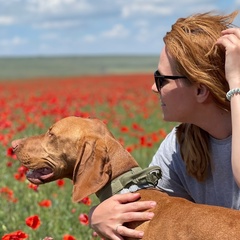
x: 15, y: 144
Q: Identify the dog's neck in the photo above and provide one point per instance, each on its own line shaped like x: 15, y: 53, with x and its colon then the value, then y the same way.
x: 126, y: 173
x: 121, y: 160
x: 131, y: 181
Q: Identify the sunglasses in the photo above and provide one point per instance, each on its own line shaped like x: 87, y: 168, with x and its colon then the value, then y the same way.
x: 159, y: 79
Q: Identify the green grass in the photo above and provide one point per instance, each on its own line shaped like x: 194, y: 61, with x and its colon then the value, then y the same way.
x: 27, y: 67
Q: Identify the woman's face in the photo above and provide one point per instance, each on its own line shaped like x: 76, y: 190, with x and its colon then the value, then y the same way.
x: 177, y: 98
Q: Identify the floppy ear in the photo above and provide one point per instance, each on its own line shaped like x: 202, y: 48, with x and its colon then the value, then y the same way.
x: 92, y: 170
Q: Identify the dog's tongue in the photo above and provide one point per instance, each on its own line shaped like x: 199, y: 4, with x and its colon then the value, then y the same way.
x: 39, y: 175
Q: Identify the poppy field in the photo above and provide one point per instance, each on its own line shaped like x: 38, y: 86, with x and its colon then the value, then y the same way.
x: 29, y: 107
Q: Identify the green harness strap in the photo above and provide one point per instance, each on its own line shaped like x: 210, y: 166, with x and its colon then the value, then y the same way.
x: 136, y: 176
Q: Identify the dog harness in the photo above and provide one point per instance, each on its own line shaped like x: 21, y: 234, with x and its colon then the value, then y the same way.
x: 131, y: 181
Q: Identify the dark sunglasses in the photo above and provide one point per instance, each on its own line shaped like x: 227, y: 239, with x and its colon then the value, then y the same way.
x: 159, y: 79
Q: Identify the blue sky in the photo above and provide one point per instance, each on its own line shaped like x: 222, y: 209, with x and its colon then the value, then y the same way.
x: 94, y: 27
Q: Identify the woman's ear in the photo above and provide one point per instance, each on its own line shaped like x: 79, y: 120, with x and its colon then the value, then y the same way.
x: 202, y: 93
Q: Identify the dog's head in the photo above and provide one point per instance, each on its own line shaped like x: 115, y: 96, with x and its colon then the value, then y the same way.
x: 75, y: 148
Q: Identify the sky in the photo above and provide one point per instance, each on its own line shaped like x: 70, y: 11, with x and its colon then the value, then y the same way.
x: 94, y: 27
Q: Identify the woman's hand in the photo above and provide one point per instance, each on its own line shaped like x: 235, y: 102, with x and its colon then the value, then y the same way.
x: 231, y: 41
x: 108, y: 217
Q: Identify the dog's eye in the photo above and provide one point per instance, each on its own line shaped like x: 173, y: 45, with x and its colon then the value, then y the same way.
x: 50, y: 134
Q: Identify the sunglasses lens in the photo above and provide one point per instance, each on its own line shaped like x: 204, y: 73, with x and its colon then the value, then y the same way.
x: 158, y: 80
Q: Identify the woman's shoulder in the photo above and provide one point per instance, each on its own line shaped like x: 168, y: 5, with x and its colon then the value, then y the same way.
x: 171, y: 138
x: 169, y: 147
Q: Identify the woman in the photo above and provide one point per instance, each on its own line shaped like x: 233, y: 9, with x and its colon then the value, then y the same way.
x: 200, y: 159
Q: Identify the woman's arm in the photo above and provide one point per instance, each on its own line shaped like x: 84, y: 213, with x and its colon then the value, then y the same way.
x: 108, y: 217
x: 231, y: 41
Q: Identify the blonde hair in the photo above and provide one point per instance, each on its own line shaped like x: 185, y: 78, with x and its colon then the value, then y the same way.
x: 192, y: 43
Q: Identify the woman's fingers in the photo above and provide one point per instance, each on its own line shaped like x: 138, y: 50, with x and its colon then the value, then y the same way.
x: 127, y: 203
x: 139, y: 206
x: 118, y: 210
x: 230, y: 40
x: 126, y: 232
x: 235, y: 31
x: 137, y: 216
x: 126, y: 198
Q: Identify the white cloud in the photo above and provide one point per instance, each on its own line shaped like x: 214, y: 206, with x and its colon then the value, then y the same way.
x: 15, y: 41
x: 89, y: 38
x: 57, y: 24
x: 156, y: 8
x: 145, y: 8
x: 49, y: 36
x: 6, y: 20
x: 56, y: 7
x: 118, y: 31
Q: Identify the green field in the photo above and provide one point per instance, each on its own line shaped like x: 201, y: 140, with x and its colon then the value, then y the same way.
x: 30, y: 67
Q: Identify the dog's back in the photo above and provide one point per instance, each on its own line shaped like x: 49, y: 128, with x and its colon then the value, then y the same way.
x: 179, y: 219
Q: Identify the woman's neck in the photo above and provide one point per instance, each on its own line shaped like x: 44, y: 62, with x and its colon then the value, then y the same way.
x: 216, y: 122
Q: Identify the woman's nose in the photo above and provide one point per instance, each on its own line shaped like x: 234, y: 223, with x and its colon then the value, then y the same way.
x: 154, y: 88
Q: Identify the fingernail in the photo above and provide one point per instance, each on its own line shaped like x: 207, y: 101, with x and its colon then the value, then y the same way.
x: 140, y: 235
x: 153, y: 204
x: 150, y: 215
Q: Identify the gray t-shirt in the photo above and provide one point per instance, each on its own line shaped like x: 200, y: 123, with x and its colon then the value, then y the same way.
x: 219, y: 188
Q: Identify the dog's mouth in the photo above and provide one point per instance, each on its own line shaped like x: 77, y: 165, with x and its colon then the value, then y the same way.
x: 39, y: 176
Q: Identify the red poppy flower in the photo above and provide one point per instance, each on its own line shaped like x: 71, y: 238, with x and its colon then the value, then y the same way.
x: 22, y: 170
x: 143, y: 141
x: 11, y: 154
x: 163, y: 133
x: 136, y: 126
x: 9, y: 164
x: 33, y: 222
x: 124, y: 129
x: 5, y: 124
x: 129, y: 149
x: 60, y: 182
x: 19, y: 177
x: 73, y: 210
x: 87, y: 201
x: 45, y: 203
x: 17, y: 235
x: 83, y: 218
x: 68, y: 237
x: 8, y: 194
x: 7, y: 191
x: 33, y: 186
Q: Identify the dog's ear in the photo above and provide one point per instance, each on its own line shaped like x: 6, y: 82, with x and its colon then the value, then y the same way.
x: 92, y: 170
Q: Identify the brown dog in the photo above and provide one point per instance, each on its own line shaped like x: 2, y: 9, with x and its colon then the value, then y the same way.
x: 86, y: 152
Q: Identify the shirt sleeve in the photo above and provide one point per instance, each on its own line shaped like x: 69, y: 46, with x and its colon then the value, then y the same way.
x: 168, y: 158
